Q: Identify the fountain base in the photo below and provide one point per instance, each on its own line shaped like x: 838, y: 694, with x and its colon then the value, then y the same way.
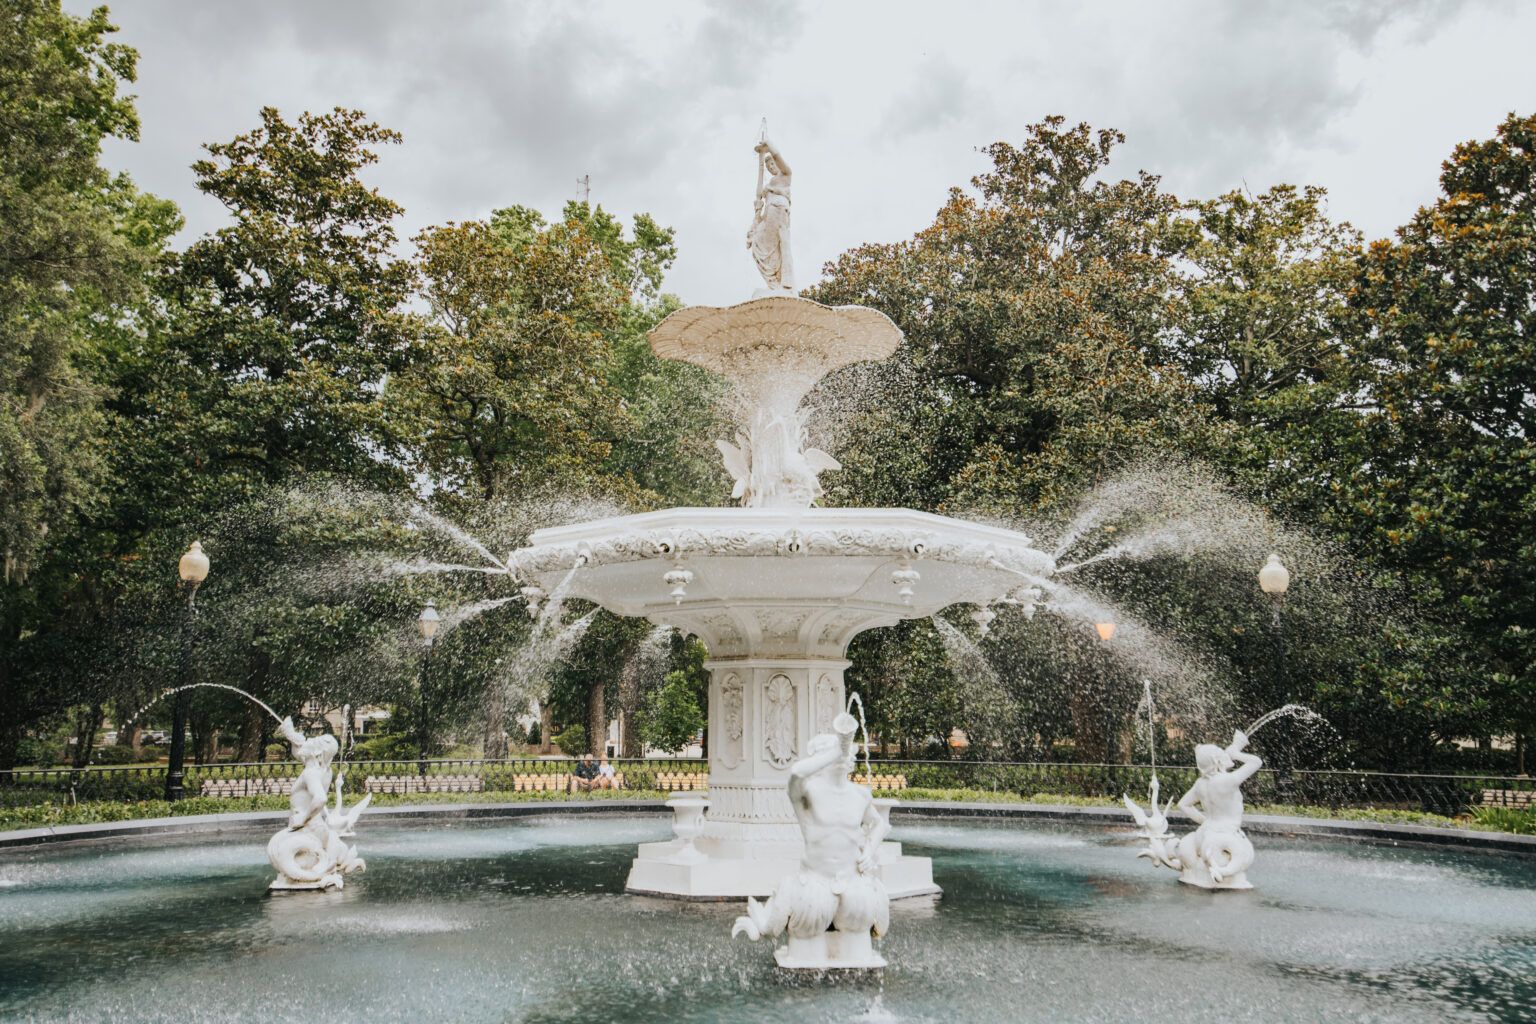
x: 735, y: 871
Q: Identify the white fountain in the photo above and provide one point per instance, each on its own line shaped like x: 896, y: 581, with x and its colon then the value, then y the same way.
x: 775, y: 588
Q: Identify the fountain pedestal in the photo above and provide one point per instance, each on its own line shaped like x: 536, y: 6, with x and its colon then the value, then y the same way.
x: 762, y: 711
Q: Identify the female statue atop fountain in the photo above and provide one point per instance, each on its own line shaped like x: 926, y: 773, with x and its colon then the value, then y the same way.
x: 768, y: 238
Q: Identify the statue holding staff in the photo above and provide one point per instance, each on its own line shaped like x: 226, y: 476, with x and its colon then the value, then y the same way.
x: 768, y: 238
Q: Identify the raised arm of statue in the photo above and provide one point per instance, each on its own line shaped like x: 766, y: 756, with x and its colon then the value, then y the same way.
x: 766, y: 149
x: 295, y: 738
x: 1250, y: 762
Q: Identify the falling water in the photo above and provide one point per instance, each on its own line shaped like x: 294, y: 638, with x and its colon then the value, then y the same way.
x: 463, y: 614
x: 395, y: 567
x: 458, y: 534
x: 190, y: 686
x: 963, y: 652
x: 551, y: 612
x: 1151, y: 727
x: 1299, y: 711
x: 854, y: 698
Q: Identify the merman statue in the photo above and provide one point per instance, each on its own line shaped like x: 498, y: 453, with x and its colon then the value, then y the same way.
x: 310, y: 853
x: 1216, y: 855
x: 838, y: 883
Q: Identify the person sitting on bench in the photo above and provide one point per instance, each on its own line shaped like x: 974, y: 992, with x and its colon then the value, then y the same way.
x: 606, y: 778
x: 584, y: 774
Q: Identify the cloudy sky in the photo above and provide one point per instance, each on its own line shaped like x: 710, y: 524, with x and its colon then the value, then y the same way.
x: 879, y: 107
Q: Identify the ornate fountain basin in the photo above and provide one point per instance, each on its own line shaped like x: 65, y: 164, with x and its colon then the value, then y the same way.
x: 781, y: 582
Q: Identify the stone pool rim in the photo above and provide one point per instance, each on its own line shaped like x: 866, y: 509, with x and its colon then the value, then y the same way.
x: 1263, y: 825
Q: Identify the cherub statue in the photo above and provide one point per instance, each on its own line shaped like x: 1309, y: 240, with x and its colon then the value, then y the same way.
x: 1216, y: 855
x: 838, y: 882
x: 310, y: 852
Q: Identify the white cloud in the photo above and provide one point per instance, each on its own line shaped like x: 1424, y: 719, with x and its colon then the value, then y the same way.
x: 879, y: 106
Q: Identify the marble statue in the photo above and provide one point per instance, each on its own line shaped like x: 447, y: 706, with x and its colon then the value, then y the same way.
x: 772, y: 467
x: 1216, y: 855
x: 768, y: 238
x: 311, y: 852
x: 838, y: 881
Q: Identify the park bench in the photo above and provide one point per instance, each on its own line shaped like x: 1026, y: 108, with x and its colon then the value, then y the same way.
x: 539, y: 783
x: 681, y: 781
x: 1508, y: 798
x: 247, y: 787
x: 427, y: 784
x: 879, y: 782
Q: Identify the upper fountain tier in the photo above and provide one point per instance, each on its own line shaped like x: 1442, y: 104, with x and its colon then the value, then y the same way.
x: 775, y: 349
x: 781, y: 583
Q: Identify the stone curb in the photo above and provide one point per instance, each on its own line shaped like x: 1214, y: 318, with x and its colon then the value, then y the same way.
x: 1260, y: 824
x: 1323, y: 828
x: 255, y: 820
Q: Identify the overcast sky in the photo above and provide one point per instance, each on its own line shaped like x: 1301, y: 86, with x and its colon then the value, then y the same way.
x: 879, y: 107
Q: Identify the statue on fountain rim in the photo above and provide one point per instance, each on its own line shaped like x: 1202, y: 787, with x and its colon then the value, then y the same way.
x: 838, y: 884
x: 311, y: 852
x: 1216, y: 855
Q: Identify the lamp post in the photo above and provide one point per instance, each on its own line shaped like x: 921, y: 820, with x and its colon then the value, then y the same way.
x: 1105, y: 631
x: 1274, y: 578
x: 193, y: 569
x: 427, y: 620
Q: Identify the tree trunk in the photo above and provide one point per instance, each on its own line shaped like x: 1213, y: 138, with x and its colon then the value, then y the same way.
x: 495, y: 745
x: 205, y: 735
x: 86, y: 724
x: 629, y: 707
x: 546, y: 728
x: 597, y: 722
x: 134, y: 735
x: 255, y: 721
x: 1087, y: 711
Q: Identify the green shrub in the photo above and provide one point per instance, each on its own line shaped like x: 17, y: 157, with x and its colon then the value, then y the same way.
x: 33, y: 751
x: 533, y: 735
x: 573, y: 741
x: 279, y: 752
x: 1520, y: 820
x: 150, y: 752
x: 389, y: 746
x: 117, y: 753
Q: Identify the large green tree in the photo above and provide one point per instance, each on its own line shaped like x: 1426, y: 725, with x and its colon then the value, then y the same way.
x: 1443, y: 486
x: 1030, y: 312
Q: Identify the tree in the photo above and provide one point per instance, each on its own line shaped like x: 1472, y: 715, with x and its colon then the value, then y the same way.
x: 1443, y: 487
x: 1030, y: 313
x: 287, y: 323
x: 75, y: 245
x: 671, y: 717
x: 513, y: 385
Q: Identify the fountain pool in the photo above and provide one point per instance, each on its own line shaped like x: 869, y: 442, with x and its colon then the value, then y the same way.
x: 528, y: 922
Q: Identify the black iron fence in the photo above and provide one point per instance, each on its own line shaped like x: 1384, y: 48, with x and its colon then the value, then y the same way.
x: 35, y: 786
x: 1334, y: 789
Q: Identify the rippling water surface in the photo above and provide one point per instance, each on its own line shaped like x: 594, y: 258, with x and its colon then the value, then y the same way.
x: 528, y: 922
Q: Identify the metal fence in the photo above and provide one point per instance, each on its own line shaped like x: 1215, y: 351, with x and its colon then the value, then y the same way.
x: 1438, y: 794
x: 35, y: 786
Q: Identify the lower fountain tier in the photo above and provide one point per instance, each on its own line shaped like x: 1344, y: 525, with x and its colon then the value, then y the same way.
x: 787, y: 583
x: 719, y: 869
